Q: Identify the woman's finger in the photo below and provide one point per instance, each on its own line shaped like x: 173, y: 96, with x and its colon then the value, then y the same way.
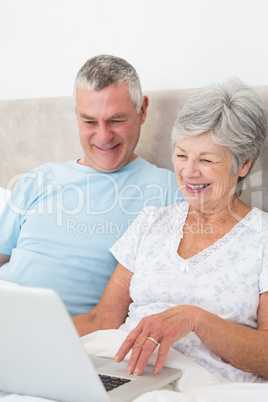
x: 140, y: 357
x: 127, y: 345
x: 161, y: 356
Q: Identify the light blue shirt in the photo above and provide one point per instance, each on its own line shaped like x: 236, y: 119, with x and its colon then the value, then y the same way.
x: 62, y: 218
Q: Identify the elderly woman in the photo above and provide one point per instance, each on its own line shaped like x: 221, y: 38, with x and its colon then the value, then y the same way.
x: 194, y: 275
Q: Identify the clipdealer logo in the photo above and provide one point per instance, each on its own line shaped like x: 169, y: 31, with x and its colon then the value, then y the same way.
x: 68, y: 200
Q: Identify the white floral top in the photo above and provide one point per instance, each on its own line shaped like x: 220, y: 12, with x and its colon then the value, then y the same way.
x: 225, y: 279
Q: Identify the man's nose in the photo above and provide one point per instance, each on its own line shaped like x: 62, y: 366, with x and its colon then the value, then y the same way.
x: 104, y: 133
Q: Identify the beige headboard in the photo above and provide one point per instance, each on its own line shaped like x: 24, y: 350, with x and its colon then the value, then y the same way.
x: 35, y: 131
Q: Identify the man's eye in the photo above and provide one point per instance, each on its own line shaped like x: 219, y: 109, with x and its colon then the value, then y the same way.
x: 181, y: 156
x: 90, y: 123
x: 117, y: 121
x: 206, y: 161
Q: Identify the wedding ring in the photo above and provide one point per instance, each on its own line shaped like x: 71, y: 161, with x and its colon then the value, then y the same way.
x: 153, y: 340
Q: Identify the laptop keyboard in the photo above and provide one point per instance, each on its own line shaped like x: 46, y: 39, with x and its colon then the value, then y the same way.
x: 112, y: 382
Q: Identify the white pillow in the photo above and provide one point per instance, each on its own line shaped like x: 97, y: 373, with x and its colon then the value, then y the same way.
x: 4, y: 194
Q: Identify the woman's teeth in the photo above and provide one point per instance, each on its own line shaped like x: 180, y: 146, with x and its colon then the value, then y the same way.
x: 197, y: 186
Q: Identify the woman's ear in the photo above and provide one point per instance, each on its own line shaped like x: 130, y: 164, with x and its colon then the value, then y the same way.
x: 243, y: 171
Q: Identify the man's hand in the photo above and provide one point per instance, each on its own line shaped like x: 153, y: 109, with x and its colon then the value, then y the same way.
x: 112, y: 309
x: 3, y: 259
x: 83, y: 324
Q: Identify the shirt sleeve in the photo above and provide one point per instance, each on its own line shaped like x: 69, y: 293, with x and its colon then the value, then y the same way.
x: 263, y: 278
x: 13, y: 214
x: 125, y: 250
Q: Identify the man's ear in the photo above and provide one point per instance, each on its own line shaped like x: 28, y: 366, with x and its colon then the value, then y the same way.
x: 243, y: 171
x: 143, y: 111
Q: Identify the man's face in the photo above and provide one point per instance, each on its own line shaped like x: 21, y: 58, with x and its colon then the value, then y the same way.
x: 109, y: 126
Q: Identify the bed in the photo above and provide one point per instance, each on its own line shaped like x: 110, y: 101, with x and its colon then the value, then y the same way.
x: 35, y: 131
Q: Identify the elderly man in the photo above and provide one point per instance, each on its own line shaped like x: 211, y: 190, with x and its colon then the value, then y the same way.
x: 62, y: 218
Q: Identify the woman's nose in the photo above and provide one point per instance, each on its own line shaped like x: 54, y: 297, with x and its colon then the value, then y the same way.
x: 191, y: 169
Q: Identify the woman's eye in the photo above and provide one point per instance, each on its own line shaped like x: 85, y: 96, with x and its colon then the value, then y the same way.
x: 206, y: 161
x: 181, y: 156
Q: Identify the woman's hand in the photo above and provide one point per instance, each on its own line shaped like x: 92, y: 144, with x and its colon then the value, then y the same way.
x: 164, y: 329
x: 236, y: 344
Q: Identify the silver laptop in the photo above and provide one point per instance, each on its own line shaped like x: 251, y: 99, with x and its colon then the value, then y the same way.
x: 41, y: 354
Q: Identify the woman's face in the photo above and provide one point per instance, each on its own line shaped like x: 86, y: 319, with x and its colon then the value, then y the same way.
x: 204, y: 172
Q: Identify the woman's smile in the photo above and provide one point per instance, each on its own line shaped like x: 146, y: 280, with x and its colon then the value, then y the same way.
x: 195, y: 187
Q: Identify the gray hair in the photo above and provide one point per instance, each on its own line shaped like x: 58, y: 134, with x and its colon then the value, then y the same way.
x: 101, y: 71
x: 233, y: 114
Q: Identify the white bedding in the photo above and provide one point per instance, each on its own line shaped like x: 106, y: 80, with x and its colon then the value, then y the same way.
x: 195, y: 385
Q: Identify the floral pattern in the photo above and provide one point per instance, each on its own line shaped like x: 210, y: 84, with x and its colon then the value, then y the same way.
x: 225, y: 279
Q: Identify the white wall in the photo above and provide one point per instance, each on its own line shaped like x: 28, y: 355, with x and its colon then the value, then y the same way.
x: 171, y: 43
